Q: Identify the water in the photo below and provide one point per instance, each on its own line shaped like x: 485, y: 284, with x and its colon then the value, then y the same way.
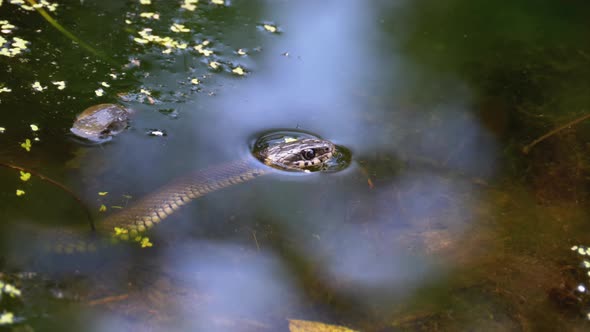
x: 440, y: 222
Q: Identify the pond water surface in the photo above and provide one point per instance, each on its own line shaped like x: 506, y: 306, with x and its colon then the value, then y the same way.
x: 440, y: 222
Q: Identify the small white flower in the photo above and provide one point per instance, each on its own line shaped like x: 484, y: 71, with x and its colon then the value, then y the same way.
x: 238, y: 71
x: 214, y: 64
x: 38, y: 87
x: 60, y: 85
x: 270, y: 28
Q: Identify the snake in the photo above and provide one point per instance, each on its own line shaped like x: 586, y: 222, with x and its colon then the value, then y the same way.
x: 131, y: 223
x: 100, y: 123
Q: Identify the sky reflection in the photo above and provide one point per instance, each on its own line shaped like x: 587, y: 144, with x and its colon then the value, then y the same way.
x: 327, y: 73
x: 227, y: 287
x: 332, y: 58
x: 310, y: 87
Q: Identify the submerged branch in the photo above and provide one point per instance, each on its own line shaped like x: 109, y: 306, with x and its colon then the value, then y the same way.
x: 108, y: 299
x: 66, y: 32
x: 526, y: 149
x: 57, y: 184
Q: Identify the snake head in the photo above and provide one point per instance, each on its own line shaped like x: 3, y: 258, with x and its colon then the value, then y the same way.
x: 299, y: 155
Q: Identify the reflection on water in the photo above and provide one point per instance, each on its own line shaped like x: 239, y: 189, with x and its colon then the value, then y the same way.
x: 208, y: 286
x: 440, y: 222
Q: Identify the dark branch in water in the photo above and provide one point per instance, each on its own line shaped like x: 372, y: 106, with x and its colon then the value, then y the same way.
x: 526, y: 149
x: 57, y: 184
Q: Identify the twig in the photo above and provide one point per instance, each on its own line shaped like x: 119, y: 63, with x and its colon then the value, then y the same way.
x: 57, y: 184
x: 256, y: 240
x: 108, y: 299
x: 526, y: 149
x: 66, y: 32
x: 365, y: 172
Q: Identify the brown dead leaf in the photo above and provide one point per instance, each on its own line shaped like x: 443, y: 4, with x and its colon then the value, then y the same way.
x: 296, y: 325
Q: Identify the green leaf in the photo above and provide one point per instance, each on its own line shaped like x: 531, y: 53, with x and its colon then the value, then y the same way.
x: 26, y: 145
x: 6, y: 318
x: 25, y: 176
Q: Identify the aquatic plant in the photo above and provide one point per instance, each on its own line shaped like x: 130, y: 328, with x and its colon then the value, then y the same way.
x: 7, y: 289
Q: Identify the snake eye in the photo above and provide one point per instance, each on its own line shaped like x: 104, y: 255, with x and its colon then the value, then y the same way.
x: 308, y: 154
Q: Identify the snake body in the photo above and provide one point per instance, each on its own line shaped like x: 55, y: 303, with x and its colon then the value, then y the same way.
x: 156, y: 207
x: 132, y: 222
